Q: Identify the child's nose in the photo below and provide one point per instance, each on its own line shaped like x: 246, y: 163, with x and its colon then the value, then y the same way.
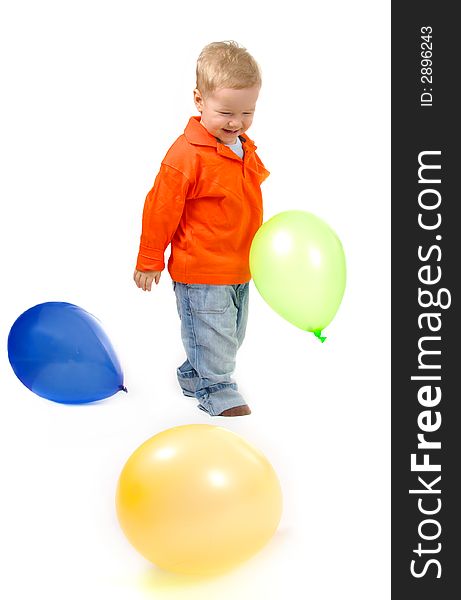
x: 234, y: 123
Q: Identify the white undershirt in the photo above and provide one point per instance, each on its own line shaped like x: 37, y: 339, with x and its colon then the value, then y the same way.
x: 237, y: 147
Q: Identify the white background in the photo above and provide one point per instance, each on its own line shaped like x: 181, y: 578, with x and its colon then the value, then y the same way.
x: 93, y: 94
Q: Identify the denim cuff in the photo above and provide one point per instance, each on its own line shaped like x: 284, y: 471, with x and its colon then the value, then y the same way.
x: 212, y: 389
x: 219, y: 397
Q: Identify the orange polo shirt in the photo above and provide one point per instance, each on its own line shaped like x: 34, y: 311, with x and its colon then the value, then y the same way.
x: 206, y: 202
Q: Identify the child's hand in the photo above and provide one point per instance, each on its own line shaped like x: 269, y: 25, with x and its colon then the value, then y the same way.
x: 144, y: 279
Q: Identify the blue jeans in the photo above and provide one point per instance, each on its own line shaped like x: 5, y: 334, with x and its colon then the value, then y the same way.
x: 213, y: 324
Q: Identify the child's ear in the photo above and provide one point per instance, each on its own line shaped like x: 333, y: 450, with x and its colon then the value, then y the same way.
x: 198, y: 100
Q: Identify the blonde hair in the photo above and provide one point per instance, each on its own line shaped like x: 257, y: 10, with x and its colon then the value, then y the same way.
x: 226, y: 64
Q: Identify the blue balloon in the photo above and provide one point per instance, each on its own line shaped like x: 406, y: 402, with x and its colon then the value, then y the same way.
x: 61, y: 352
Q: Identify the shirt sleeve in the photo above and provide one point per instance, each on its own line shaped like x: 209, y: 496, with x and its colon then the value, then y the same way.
x: 162, y: 212
x: 263, y: 173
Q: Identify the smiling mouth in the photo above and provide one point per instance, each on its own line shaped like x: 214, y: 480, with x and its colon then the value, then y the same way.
x: 231, y: 130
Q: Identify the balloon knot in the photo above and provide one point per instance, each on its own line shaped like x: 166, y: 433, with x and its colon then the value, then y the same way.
x: 318, y: 335
x: 122, y: 388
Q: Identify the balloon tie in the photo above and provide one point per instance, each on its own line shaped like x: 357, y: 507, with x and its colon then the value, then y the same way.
x: 318, y: 335
x: 122, y: 388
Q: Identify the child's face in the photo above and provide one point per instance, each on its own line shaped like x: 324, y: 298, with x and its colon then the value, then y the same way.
x: 227, y: 113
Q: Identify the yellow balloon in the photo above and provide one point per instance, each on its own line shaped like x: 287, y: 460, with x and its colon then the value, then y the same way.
x: 198, y: 499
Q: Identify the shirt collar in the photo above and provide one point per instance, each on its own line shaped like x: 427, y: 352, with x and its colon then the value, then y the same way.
x: 196, y: 133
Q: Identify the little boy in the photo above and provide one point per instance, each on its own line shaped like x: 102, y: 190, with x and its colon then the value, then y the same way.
x: 206, y: 201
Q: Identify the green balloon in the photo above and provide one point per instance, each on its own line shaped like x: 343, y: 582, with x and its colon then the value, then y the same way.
x: 298, y: 266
